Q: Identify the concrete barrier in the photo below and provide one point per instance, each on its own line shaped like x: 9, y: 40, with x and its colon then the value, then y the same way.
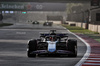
x: 95, y: 28
x: 55, y: 22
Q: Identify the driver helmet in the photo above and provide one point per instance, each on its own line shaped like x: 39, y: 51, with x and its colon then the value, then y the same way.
x: 53, y: 38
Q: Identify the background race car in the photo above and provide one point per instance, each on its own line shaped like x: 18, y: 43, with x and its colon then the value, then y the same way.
x: 52, y: 43
x: 35, y: 22
x: 47, y: 23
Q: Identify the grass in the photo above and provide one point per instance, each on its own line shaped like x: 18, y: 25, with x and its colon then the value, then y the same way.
x: 74, y: 29
x: 5, y: 24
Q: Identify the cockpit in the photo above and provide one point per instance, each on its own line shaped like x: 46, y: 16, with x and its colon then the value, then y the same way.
x: 52, y: 38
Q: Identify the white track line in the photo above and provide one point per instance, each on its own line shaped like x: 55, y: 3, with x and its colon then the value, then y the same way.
x: 94, y: 58
x: 92, y: 64
x: 88, y: 51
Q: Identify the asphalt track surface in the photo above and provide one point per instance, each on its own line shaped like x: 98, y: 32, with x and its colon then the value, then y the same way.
x: 13, y: 46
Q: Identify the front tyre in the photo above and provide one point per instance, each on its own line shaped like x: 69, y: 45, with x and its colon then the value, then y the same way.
x: 72, y: 46
x: 32, y: 46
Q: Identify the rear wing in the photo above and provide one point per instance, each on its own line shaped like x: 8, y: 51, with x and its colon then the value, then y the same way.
x: 62, y: 35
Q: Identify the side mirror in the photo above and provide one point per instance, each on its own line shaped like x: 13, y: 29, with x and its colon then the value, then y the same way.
x: 38, y: 39
x: 66, y: 39
x: 42, y: 36
x: 66, y: 36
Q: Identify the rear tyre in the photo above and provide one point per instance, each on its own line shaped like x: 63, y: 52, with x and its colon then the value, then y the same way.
x: 32, y: 46
x: 72, y: 46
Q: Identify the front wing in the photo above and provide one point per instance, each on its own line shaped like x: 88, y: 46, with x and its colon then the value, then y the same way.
x: 56, y: 52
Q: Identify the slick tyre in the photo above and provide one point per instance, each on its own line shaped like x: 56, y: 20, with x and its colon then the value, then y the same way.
x: 32, y: 46
x: 72, y: 46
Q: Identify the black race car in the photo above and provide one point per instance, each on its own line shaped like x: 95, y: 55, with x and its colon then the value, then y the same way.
x: 47, y: 23
x: 52, y: 43
x: 29, y: 20
x: 35, y: 22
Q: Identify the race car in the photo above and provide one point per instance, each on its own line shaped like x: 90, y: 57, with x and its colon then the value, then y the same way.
x: 35, y: 22
x: 52, y: 43
x: 47, y: 23
x: 29, y: 20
